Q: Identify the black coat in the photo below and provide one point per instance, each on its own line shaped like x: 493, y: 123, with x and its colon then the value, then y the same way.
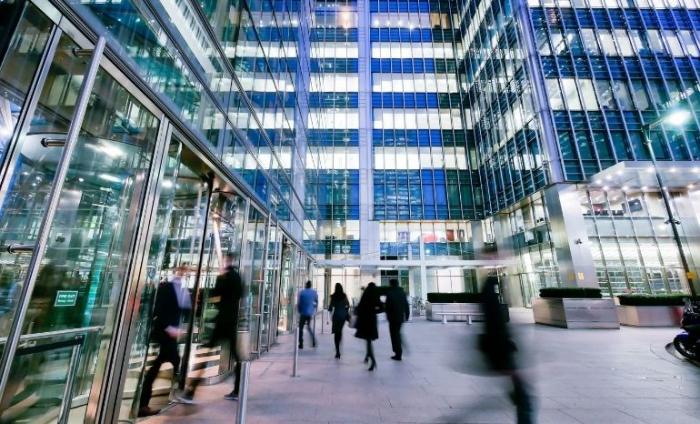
x: 229, y: 288
x: 340, y: 308
x: 167, y: 311
x: 496, y: 343
x: 396, y: 305
x: 366, y: 312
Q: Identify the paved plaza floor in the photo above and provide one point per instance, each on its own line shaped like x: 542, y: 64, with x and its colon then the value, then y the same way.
x: 579, y: 376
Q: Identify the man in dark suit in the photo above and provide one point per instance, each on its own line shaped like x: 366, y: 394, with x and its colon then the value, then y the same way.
x: 172, y: 298
x: 397, y: 311
x: 226, y: 295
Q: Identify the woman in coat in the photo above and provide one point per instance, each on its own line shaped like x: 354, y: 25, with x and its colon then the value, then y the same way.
x: 366, y: 311
x: 340, y: 309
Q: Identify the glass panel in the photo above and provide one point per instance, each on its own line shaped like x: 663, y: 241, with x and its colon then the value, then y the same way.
x: 87, y: 256
x: 24, y: 204
x: 160, y: 246
x: 269, y: 292
x: 286, y: 290
x: 19, y: 64
x: 224, y: 237
x: 252, y: 264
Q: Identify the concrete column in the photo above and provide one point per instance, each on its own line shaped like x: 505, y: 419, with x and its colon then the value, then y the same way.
x: 479, y: 251
x: 423, y: 271
x: 686, y: 212
x: 571, y: 245
x: 512, y: 293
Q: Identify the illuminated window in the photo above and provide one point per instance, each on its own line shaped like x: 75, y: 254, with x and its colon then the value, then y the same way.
x: 340, y: 50
x: 338, y: 83
x: 334, y: 119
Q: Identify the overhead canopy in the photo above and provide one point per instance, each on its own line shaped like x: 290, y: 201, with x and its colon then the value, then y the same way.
x: 640, y: 175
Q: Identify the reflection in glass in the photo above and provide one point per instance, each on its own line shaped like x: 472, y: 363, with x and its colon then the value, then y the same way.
x: 85, y: 264
x: 19, y: 64
x: 24, y: 205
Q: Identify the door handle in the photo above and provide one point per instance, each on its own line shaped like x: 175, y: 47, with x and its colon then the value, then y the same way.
x: 20, y: 248
x: 53, y: 142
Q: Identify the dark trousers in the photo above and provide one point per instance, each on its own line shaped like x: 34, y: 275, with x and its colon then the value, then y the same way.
x: 168, y: 353
x: 337, y: 337
x: 306, y: 320
x: 395, y: 333
x: 236, y: 369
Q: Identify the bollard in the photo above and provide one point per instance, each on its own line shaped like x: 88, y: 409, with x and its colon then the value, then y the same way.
x: 323, y: 320
x: 243, y: 393
x: 296, y: 354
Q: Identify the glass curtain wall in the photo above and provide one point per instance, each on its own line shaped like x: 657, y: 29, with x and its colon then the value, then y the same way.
x: 633, y: 248
x: 425, y: 179
x: 78, y: 275
x: 253, y: 266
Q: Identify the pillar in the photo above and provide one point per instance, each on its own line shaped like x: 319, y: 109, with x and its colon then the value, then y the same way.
x: 572, y: 248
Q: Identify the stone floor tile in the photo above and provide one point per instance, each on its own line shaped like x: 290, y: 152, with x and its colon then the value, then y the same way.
x: 578, y: 376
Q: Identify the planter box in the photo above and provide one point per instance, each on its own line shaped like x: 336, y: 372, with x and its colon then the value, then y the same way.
x: 433, y: 310
x: 576, y: 313
x: 650, y: 316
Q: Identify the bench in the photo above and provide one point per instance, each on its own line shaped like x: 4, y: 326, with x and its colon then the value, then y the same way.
x: 469, y: 315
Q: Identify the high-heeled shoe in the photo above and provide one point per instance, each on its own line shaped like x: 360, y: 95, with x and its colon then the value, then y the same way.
x: 373, y: 366
x: 366, y: 359
x: 337, y: 356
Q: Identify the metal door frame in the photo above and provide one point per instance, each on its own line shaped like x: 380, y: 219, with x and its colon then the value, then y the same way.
x: 107, y: 407
x: 39, y: 248
x: 97, y: 61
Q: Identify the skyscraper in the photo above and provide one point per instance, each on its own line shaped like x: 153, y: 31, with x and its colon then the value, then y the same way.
x: 515, y: 126
x: 339, y: 141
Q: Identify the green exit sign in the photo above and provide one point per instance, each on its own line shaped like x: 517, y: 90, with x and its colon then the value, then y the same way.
x: 66, y: 298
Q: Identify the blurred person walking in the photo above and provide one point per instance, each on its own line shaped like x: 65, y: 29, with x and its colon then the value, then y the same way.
x: 227, y: 293
x: 397, y: 312
x: 366, y: 324
x: 306, y: 305
x: 172, y: 299
x: 497, y: 345
x: 340, y: 309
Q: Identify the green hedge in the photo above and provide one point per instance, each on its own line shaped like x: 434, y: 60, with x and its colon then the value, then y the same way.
x: 652, y: 300
x: 575, y: 292
x: 454, y: 298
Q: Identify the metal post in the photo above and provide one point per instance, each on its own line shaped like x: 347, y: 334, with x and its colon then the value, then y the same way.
x: 667, y: 204
x: 296, y: 353
x: 243, y: 393
x: 70, y: 377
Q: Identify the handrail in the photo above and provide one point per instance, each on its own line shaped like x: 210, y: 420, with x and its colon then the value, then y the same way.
x: 49, y: 334
x: 77, y: 340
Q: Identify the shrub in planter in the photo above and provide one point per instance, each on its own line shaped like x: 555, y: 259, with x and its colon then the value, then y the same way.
x: 454, y: 298
x: 572, y: 292
x: 652, y: 300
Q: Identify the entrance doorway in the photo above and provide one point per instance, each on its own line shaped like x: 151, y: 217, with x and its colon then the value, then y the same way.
x: 77, y: 150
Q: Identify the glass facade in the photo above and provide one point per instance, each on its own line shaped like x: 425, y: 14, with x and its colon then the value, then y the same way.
x: 560, y: 93
x: 174, y: 139
x: 338, y: 141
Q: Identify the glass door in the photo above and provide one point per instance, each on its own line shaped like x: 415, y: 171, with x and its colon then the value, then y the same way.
x: 74, y: 176
x: 285, y: 314
x: 225, y: 228
x: 252, y: 264
x: 176, y: 243
x: 268, y: 297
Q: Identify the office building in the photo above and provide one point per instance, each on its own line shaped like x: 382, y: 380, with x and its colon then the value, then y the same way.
x: 338, y: 141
